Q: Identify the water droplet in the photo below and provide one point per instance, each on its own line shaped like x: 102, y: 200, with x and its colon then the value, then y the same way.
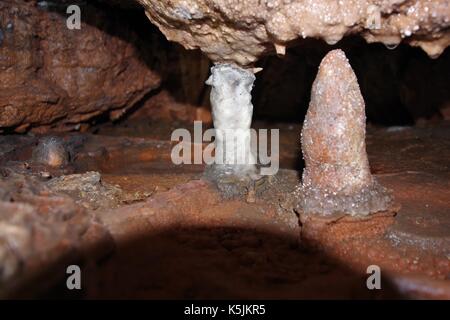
x: 392, y: 46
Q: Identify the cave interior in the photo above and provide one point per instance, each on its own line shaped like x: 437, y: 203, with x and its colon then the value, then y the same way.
x: 87, y: 176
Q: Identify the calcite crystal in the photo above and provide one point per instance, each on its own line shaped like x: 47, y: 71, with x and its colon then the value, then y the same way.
x: 242, y: 31
x: 337, y: 178
x: 232, y: 111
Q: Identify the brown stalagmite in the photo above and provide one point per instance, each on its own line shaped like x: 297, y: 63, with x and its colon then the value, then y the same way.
x: 337, y: 176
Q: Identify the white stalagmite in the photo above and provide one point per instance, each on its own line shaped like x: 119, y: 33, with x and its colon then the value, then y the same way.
x: 232, y: 111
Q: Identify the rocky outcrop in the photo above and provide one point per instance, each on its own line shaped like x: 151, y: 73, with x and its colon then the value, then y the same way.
x: 242, y: 31
x: 55, y: 77
x: 42, y: 232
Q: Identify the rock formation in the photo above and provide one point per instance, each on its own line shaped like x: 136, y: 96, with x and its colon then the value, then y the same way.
x: 242, y: 31
x: 337, y: 176
x: 232, y: 111
x: 41, y: 230
x: 50, y: 74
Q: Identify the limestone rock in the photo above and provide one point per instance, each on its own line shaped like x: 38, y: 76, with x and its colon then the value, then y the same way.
x: 242, y: 31
x: 41, y: 230
x: 87, y: 189
x: 50, y: 74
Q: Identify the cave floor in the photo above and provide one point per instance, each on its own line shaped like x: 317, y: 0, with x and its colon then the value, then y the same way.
x: 167, y: 233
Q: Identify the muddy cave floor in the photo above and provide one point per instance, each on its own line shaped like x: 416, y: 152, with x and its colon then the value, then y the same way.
x: 167, y: 233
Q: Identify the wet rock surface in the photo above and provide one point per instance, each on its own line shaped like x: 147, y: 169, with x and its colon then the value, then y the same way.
x: 55, y: 77
x: 179, y: 224
x: 242, y: 31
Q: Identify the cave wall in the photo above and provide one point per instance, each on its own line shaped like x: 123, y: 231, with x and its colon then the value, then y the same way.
x: 53, y: 76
